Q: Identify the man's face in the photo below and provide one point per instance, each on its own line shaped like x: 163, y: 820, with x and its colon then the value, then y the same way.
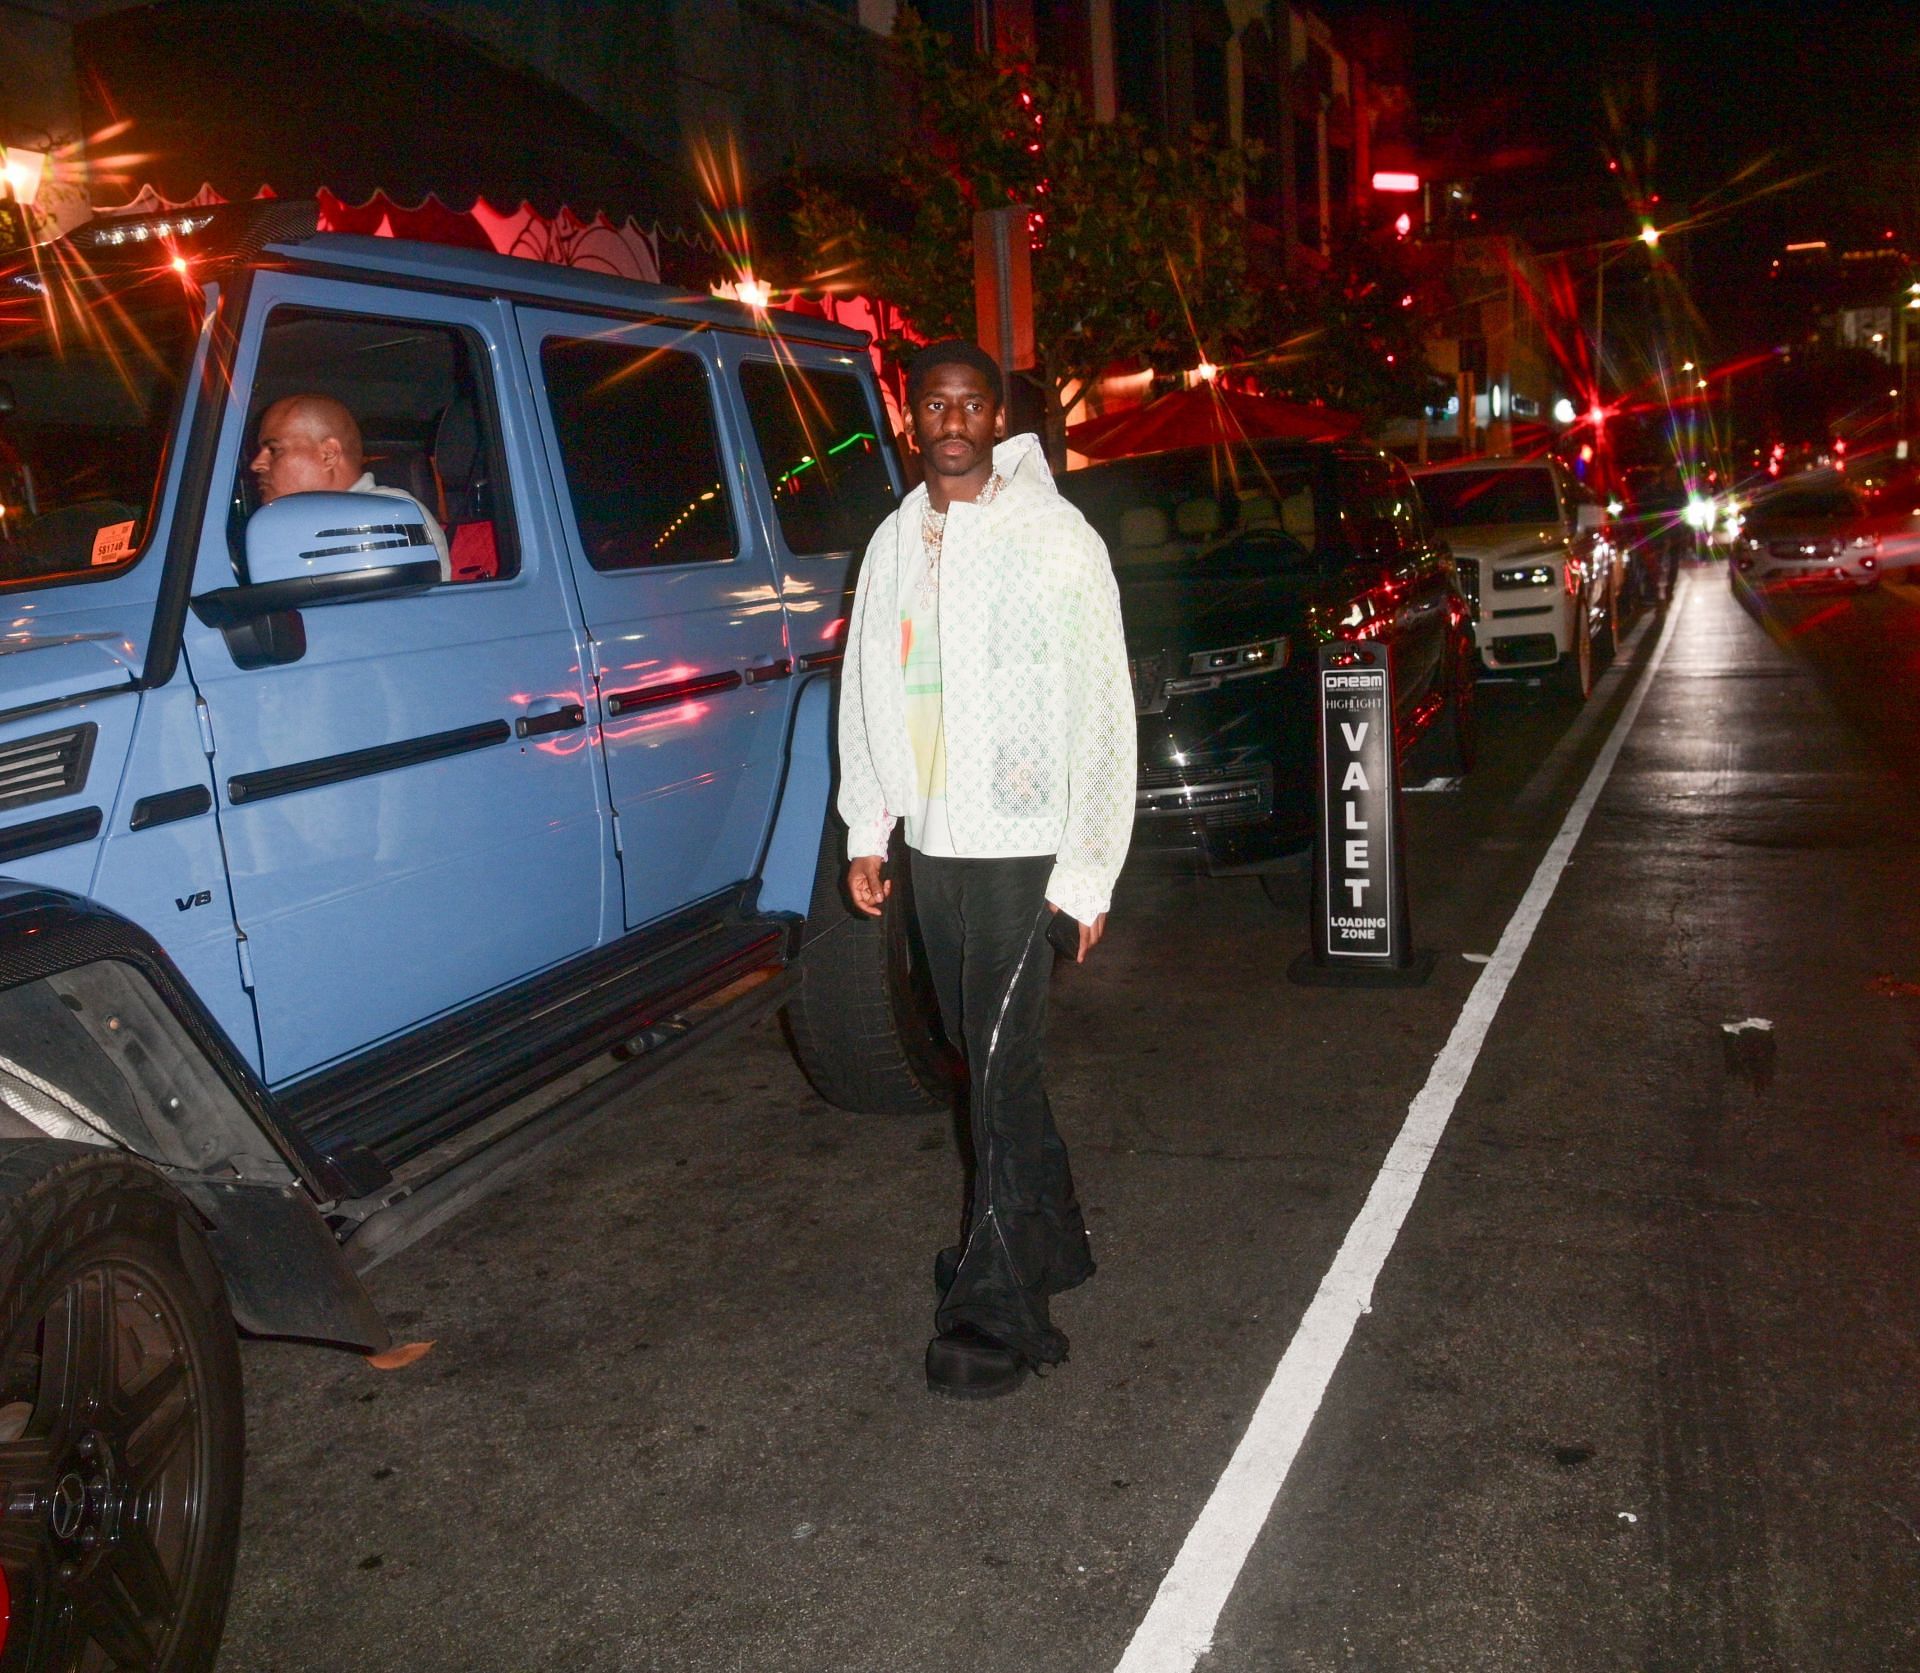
x: 956, y: 421
x: 293, y: 456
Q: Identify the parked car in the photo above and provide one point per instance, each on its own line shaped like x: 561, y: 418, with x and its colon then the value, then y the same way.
x: 1534, y: 556
x: 1893, y: 515
x: 1234, y: 567
x: 1811, y: 533
x: 318, y: 858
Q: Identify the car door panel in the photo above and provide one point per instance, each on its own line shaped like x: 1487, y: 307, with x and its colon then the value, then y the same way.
x: 394, y: 848
x: 679, y: 595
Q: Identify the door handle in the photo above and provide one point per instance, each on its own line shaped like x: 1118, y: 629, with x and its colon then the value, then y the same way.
x: 770, y: 671
x: 563, y: 719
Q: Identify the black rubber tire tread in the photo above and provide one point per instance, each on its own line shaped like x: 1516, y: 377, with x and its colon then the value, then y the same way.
x: 1568, y: 677
x: 862, y: 1028
x: 60, y: 1200
x: 1457, y: 747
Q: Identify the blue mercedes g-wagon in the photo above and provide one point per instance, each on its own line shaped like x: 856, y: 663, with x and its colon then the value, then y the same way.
x: 333, y: 830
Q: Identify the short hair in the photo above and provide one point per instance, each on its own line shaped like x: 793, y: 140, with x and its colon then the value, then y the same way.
x: 954, y: 351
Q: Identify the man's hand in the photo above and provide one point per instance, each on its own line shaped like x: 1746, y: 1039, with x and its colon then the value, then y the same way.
x: 1089, y: 934
x: 868, y: 885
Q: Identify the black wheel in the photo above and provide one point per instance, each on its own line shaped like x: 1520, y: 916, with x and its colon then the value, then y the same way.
x: 1457, y: 730
x: 121, y: 1440
x: 1610, y: 628
x: 865, y: 1025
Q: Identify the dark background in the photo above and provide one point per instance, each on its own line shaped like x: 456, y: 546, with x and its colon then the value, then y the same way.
x: 1755, y: 124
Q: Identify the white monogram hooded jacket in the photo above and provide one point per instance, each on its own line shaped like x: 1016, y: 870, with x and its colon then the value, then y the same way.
x: 1038, y: 708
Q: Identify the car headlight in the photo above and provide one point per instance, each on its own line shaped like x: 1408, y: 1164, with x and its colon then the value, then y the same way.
x: 1534, y: 575
x: 1206, y: 669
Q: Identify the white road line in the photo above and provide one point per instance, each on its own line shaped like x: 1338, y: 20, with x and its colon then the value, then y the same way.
x: 1546, y: 776
x: 1178, y: 1627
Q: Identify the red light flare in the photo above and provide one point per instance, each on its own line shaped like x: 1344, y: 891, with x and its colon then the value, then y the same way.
x: 679, y: 717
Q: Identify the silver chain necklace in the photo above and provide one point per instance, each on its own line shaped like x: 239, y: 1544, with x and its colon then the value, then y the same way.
x: 933, y: 533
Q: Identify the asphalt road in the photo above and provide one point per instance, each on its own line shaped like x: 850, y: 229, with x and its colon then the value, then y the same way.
x: 1637, y: 1385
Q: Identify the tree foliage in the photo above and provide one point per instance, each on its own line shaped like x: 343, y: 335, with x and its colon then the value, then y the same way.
x: 1352, y: 335
x: 1142, y: 249
x: 1143, y: 257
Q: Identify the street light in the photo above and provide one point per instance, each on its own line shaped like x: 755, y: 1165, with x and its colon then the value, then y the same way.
x: 1649, y: 234
x: 22, y: 171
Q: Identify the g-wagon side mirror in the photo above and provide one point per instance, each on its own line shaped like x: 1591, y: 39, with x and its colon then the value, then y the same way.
x: 328, y: 548
x: 1588, y: 517
x: 311, y: 549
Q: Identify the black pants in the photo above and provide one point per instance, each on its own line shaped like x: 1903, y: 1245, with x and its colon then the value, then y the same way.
x: 984, y: 924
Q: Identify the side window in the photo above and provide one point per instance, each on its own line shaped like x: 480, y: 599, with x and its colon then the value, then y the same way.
x: 1377, y: 513
x: 1408, y: 519
x: 825, y: 470
x: 636, y: 433
x: 421, y: 398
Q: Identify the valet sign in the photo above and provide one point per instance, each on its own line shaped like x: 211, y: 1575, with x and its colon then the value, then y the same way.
x: 1358, y: 843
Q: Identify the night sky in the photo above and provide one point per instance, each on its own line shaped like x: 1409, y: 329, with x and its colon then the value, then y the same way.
x: 1820, y: 105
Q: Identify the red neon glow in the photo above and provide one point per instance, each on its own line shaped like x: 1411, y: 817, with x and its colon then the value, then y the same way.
x: 1390, y: 180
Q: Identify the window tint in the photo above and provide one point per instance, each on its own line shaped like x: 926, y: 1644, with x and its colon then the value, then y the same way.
x: 423, y: 401
x: 1378, y: 509
x: 1460, y: 499
x: 84, y: 420
x: 826, y: 472
x: 1805, y: 505
x: 1196, y: 510
x: 635, y: 426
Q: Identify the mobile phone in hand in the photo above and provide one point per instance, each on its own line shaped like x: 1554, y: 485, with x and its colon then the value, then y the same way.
x: 1063, y: 932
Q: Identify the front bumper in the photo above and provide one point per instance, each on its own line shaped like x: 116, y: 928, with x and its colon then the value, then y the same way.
x: 1807, y: 577
x: 1228, y: 774
x: 1515, y: 627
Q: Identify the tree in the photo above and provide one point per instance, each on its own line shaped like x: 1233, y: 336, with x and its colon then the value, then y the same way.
x: 1140, y: 247
x: 1354, y: 335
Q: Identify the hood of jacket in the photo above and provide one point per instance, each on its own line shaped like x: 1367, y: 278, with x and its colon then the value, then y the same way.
x: 1021, y: 464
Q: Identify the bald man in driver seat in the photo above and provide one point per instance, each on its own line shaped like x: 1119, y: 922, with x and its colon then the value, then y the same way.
x: 311, y: 444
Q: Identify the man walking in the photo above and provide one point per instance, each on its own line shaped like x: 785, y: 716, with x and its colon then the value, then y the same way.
x: 985, y: 701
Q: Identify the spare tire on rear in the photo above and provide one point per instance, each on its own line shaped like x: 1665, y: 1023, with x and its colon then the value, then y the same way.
x: 865, y: 1025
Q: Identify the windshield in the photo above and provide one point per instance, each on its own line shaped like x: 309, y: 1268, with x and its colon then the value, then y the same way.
x: 89, y: 383
x: 1461, y: 499
x: 1804, y: 505
x: 1193, y: 511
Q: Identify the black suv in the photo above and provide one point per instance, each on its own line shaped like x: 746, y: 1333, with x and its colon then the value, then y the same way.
x: 1234, y: 565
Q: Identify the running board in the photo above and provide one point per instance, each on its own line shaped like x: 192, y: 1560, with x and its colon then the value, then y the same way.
x: 445, y: 1181
x: 406, y: 1098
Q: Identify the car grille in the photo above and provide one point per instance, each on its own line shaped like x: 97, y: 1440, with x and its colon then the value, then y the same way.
x: 1148, y: 674
x: 1468, y: 575
x: 1219, y: 795
x: 51, y: 764
x: 1525, y: 648
x: 1805, y: 551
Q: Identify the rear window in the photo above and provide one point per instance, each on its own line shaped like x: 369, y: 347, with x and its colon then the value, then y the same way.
x: 821, y: 451
x: 1805, y: 505
x: 1184, y: 511
x: 1462, y: 499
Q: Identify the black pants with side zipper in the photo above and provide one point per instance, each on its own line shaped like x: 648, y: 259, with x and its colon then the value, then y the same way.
x: 984, y: 926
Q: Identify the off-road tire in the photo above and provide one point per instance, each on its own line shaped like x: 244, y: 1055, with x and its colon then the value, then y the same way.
x: 865, y: 1024
x: 135, y: 1449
